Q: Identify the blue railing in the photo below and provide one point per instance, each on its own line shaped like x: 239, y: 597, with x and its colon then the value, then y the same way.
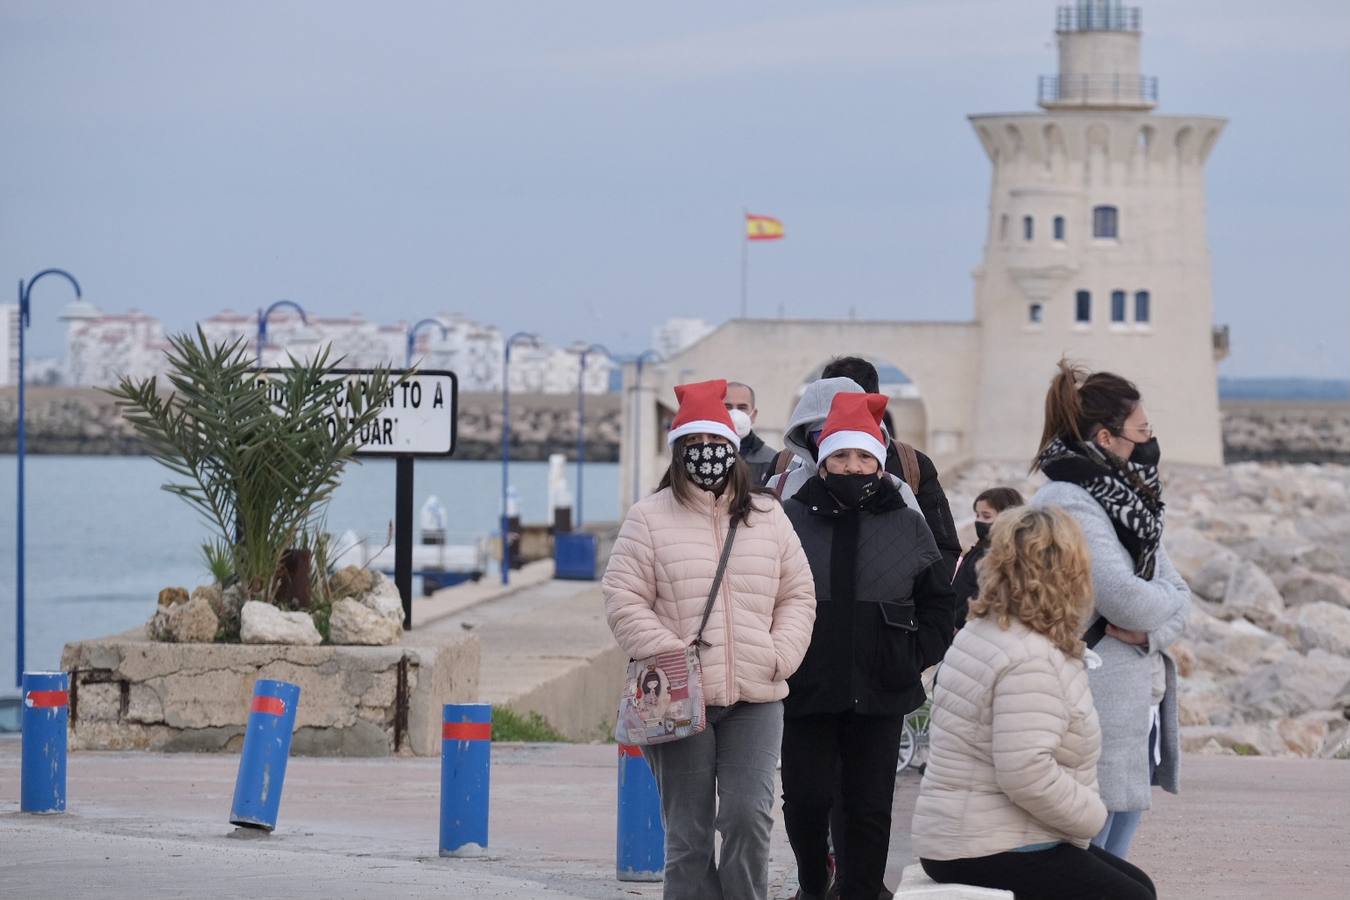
x: 1097, y: 15
x: 1089, y: 89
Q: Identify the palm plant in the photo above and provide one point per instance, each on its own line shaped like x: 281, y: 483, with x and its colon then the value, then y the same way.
x: 260, y: 454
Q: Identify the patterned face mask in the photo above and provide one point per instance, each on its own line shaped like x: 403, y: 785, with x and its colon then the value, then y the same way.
x: 709, y: 464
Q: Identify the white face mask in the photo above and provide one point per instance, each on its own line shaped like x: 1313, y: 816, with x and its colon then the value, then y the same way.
x: 741, y: 422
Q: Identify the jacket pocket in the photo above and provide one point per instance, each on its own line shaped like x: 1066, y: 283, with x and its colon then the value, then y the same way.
x: 896, y: 661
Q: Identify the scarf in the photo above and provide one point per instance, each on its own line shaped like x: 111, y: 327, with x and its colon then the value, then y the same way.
x: 1130, y: 494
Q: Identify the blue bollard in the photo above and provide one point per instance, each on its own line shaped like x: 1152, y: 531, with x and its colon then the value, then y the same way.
x: 466, y: 763
x: 46, y: 712
x: 641, y: 853
x: 267, y: 746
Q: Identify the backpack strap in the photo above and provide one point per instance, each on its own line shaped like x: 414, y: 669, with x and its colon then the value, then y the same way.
x: 780, y: 464
x: 909, y: 465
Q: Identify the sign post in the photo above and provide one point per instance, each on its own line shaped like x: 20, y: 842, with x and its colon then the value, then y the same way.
x: 420, y: 419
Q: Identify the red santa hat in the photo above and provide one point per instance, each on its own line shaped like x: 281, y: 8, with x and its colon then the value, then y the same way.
x: 702, y: 411
x: 854, y: 423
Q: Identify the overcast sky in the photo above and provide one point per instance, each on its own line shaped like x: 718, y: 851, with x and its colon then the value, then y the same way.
x: 579, y: 169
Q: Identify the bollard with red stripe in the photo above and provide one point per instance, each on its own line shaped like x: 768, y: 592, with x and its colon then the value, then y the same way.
x: 267, y: 746
x: 46, y: 708
x: 466, y: 762
x: 641, y: 847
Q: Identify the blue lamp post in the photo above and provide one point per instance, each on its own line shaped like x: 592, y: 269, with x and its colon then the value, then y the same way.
x: 637, y: 419
x: 524, y: 338
x: 581, y: 419
x: 412, y: 337
x: 25, y: 291
x: 262, y: 322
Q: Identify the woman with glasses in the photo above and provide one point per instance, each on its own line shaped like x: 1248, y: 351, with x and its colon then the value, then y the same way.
x: 1099, y: 452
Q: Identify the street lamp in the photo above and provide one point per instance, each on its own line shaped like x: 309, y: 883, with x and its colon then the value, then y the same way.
x: 25, y: 291
x: 637, y: 419
x: 581, y: 418
x: 412, y: 335
x: 262, y: 322
x: 524, y: 338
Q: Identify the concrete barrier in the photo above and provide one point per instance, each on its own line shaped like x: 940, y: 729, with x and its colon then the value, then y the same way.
x: 131, y: 693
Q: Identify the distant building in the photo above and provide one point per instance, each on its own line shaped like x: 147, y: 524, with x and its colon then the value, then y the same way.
x: 102, y: 348
x: 9, y: 344
x: 675, y: 335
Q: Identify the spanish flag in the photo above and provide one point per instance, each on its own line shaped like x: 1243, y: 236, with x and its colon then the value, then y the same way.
x: 762, y: 228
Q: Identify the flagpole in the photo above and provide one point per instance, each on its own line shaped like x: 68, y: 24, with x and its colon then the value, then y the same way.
x: 745, y: 263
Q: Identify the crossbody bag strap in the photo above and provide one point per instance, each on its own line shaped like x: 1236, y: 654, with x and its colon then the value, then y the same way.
x: 1093, y: 636
x: 717, y: 583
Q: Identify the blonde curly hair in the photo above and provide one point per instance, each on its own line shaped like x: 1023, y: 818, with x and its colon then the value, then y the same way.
x: 1038, y: 572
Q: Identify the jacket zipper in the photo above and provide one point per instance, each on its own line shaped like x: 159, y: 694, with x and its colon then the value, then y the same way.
x: 727, y: 655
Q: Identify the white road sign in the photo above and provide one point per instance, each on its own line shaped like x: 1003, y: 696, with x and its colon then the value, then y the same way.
x: 418, y: 417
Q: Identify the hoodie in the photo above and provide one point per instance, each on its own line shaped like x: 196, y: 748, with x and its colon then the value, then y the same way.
x: 808, y: 416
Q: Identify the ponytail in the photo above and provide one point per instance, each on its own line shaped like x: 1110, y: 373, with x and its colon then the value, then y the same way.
x: 1079, y: 403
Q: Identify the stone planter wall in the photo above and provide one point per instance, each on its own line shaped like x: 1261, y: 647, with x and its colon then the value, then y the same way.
x: 131, y: 693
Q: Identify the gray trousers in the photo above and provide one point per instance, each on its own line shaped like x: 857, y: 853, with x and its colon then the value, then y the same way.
x: 720, y: 781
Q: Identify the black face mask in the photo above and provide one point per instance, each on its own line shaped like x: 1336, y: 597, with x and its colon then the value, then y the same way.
x: 709, y: 465
x: 1147, y: 453
x: 982, y: 531
x: 852, y: 490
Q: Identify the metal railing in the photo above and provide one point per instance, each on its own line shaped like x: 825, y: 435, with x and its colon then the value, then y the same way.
x: 1098, y: 15
x: 1089, y: 89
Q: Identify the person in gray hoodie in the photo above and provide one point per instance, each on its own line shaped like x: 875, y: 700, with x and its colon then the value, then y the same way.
x: 806, y: 421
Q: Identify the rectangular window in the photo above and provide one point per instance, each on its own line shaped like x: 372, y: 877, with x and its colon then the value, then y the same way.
x: 1104, y: 222
x: 1003, y: 227
x: 1117, y: 306
x: 1059, y: 228
x: 1082, y: 311
x: 1028, y: 228
x: 1035, y: 313
x: 1141, y: 310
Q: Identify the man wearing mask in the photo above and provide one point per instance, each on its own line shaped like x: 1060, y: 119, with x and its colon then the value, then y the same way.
x: 757, y: 456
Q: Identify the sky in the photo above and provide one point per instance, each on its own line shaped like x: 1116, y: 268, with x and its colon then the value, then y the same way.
x: 579, y: 169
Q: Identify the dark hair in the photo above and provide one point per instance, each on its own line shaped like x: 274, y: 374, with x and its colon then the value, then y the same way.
x: 738, y: 483
x: 1000, y: 498
x: 863, y: 373
x: 649, y: 678
x: 1078, y: 403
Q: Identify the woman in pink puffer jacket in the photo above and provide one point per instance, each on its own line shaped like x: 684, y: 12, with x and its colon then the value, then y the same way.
x: 656, y: 587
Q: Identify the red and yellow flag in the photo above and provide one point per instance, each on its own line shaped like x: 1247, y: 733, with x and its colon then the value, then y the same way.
x: 762, y: 228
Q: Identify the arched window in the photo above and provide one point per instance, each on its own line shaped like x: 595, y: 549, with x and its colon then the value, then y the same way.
x: 1082, y: 309
x: 1141, y: 303
x: 1059, y: 228
x: 1035, y: 314
x: 1117, y: 306
x: 1028, y: 228
x: 1104, y: 222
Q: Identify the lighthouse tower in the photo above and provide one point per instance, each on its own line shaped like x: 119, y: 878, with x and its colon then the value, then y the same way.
x: 1096, y: 246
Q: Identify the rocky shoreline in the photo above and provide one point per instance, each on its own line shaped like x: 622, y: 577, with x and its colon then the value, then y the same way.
x: 1265, y: 664
x: 85, y: 421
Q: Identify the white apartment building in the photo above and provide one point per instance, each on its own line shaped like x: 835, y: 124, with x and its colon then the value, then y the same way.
x: 102, y: 348
x: 675, y: 335
x: 9, y: 344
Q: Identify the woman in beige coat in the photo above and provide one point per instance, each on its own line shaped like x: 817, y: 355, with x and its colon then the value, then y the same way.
x: 1009, y: 799
x: 656, y: 587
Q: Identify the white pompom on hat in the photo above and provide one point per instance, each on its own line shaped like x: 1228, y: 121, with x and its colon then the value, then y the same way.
x: 703, y: 411
x: 854, y: 422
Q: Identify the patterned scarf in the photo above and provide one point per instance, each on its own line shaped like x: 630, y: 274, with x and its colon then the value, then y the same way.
x: 1130, y: 493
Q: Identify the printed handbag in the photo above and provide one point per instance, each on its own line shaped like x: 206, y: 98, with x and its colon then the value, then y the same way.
x: 663, y: 695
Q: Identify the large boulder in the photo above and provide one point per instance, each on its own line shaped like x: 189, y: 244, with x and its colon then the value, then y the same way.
x: 1296, y: 684
x: 1303, y: 736
x: 1323, y: 625
x: 1301, y: 586
x: 1206, y: 565
x: 263, y: 623
x: 1234, y: 648
x: 1251, y: 594
x: 384, y: 599
x: 193, y: 622
x: 352, y: 622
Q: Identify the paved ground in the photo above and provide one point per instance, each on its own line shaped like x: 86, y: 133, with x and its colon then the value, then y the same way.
x: 150, y: 826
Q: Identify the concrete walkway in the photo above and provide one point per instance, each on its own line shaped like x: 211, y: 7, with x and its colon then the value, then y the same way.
x: 149, y: 826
